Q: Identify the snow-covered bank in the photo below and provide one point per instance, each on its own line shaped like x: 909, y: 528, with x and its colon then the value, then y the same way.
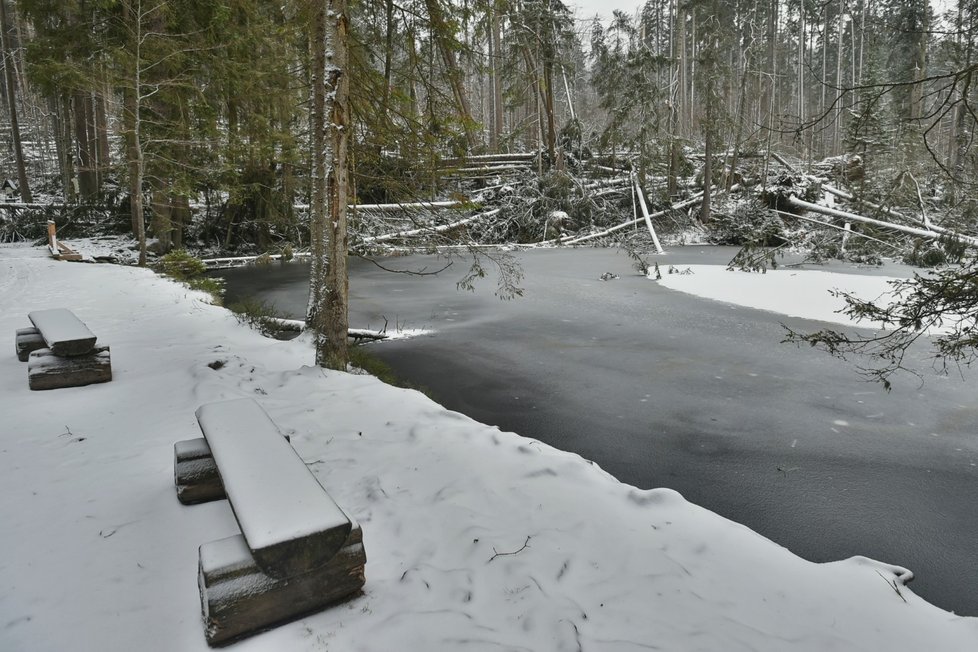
x: 793, y: 292
x: 98, y: 554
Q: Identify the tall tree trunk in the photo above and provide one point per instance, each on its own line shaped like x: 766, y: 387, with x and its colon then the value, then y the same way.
x: 495, y: 91
x: 102, y: 137
x: 441, y: 33
x: 8, y: 74
x: 131, y: 114
x: 918, y: 61
x: 134, y: 154
x: 837, y: 122
x: 68, y: 171
x: 329, y: 289
x: 88, y: 187
x: 388, y: 55
x: 801, y: 72
x: 706, y: 207
x: 547, y: 97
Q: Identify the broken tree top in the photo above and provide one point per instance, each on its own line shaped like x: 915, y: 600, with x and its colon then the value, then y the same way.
x: 65, y: 334
x: 282, y: 509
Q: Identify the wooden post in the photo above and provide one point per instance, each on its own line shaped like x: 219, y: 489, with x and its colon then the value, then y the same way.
x: 52, y: 238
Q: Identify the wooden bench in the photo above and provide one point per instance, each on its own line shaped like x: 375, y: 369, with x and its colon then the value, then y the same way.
x: 60, y: 351
x: 298, y: 551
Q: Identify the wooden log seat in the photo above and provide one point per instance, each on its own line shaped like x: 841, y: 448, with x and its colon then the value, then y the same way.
x: 45, y: 370
x: 64, y: 333
x: 60, y: 351
x: 27, y: 340
x: 298, y: 550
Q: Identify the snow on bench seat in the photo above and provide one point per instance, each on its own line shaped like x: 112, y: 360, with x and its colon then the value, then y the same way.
x: 290, y: 523
x: 64, y: 333
x: 195, y: 473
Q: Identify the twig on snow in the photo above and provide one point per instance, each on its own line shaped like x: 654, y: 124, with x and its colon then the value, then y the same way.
x: 893, y: 585
x: 514, y: 552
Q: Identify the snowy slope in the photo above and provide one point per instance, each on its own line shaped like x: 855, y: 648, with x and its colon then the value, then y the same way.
x: 96, y: 553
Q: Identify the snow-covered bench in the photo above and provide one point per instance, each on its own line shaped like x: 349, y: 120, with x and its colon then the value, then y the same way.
x: 60, y: 351
x: 298, y: 551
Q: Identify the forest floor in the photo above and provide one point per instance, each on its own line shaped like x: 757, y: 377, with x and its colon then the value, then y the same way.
x: 476, y: 539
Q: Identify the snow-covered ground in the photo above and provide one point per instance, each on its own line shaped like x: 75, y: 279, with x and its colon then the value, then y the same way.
x: 96, y: 553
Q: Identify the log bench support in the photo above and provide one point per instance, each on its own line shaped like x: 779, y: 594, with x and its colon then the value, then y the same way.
x: 27, y: 340
x: 298, y: 551
x: 45, y: 370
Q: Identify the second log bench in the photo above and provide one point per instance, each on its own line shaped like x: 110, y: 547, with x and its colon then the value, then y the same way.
x: 60, y: 351
x: 298, y: 551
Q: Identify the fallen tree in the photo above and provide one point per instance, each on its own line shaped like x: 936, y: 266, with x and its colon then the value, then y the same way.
x: 801, y: 205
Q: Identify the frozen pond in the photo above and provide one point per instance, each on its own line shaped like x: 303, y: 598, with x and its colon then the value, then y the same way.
x: 661, y: 388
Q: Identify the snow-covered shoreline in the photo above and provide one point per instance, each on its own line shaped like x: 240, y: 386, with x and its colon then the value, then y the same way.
x: 99, y: 555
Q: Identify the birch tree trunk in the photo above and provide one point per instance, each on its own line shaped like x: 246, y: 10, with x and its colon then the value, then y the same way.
x: 329, y: 289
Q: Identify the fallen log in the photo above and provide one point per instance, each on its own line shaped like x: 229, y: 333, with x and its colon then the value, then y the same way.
x: 842, y: 194
x: 695, y: 199
x: 426, y: 230
x: 800, y: 204
x: 487, y: 158
x: 408, y: 206
x: 646, y: 216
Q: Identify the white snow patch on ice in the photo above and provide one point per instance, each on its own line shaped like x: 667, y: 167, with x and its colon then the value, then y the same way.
x: 797, y: 293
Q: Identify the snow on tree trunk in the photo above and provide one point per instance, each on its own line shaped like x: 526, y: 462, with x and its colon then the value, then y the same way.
x: 329, y: 289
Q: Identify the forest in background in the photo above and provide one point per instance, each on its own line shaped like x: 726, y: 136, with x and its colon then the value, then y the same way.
x: 844, y: 127
x: 214, y: 98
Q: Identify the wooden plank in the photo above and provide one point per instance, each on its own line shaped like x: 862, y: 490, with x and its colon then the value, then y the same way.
x: 290, y: 522
x: 65, y: 334
x: 45, y: 370
x: 27, y: 340
x: 238, y: 599
x: 67, y: 253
